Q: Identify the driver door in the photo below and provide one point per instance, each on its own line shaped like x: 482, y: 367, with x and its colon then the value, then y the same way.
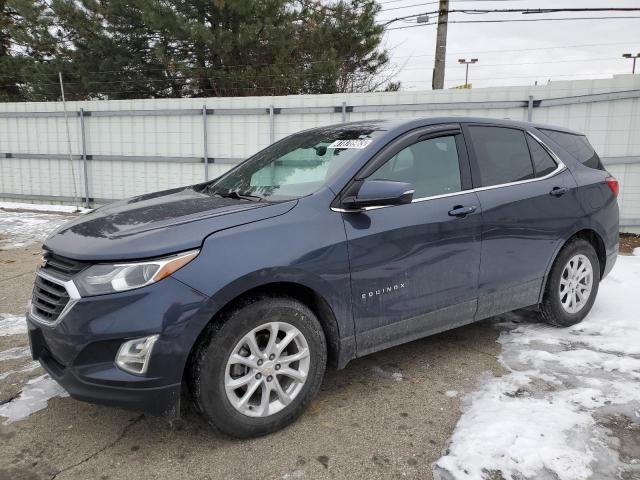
x: 414, y: 267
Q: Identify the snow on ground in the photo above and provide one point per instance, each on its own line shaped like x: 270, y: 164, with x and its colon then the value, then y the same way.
x: 42, y: 208
x: 34, y: 396
x: 14, y: 353
x: 29, y: 367
x: 551, y: 416
x: 19, y: 229
x: 12, y: 325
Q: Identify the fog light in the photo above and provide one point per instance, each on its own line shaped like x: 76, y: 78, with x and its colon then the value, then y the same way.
x: 133, y: 356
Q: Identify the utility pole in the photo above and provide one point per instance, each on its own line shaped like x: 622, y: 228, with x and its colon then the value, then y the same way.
x: 634, y: 57
x: 437, y: 83
x: 464, y: 61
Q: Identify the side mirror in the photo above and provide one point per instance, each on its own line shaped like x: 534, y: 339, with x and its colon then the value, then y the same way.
x: 379, y: 193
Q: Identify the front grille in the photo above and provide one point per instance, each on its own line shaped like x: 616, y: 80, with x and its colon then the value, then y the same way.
x: 48, y: 300
x: 50, y: 295
x: 55, y: 264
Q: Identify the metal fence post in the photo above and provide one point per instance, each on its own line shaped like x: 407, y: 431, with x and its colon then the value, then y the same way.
x: 530, y: 109
x: 344, y: 112
x: 205, y: 144
x: 272, y: 133
x: 85, y: 167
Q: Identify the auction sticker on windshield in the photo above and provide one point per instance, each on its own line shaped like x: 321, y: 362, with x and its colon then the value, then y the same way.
x: 363, y: 143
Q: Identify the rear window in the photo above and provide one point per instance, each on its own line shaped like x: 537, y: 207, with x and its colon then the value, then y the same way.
x: 578, y: 146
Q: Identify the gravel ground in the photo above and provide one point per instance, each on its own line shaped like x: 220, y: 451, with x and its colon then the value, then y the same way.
x: 628, y: 243
x: 387, y: 415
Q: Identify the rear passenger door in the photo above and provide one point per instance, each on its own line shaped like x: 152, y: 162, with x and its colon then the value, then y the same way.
x: 529, y: 204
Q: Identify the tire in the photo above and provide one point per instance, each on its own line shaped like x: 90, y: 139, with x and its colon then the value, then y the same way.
x: 556, y: 306
x: 214, y: 370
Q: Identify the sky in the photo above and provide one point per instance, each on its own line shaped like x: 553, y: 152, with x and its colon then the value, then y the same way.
x: 514, y: 53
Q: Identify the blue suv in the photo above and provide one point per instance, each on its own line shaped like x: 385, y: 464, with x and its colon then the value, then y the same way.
x: 328, y: 245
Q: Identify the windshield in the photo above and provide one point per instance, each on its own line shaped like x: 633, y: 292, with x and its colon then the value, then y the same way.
x: 295, y: 166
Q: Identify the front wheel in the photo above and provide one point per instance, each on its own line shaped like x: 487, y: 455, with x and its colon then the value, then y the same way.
x: 261, y: 368
x: 572, y: 285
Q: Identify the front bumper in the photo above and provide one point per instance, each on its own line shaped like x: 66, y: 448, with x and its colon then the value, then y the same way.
x: 79, y: 352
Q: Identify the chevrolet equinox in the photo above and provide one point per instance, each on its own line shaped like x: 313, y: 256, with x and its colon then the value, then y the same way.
x: 328, y: 245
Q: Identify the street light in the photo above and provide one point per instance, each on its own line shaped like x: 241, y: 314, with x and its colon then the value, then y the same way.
x: 634, y: 57
x: 464, y: 61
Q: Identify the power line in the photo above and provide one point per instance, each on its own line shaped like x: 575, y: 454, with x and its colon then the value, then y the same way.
x: 531, y: 11
x: 524, y: 11
x: 432, y: 3
x: 451, y: 53
x: 511, y: 77
x: 386, y: 2
x: 256, y: 85
x: 545, y: 48
x: 408, y: 6
x: 518, y: 20
x: 576, y: 60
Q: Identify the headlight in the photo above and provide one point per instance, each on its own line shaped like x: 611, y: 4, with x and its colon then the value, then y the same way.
x: 104, y: 278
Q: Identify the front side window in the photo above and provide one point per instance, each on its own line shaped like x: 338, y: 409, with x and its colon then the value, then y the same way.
x: 502, y: 155
x: 295, y: 166
x: 578, y: 146
x: 430, y: 166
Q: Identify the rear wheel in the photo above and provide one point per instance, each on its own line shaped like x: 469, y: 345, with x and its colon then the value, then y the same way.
x: 261, y: 368
x: 572, y: 285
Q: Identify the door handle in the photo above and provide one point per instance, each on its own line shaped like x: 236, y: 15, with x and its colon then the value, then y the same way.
x: 558, y: 191
x: 462, y: 211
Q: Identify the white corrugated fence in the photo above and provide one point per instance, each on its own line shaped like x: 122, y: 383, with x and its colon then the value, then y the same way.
x: 122, y: 148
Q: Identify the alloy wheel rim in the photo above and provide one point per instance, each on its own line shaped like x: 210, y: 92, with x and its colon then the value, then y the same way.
x: 576, y: 283
x: 267, y: 369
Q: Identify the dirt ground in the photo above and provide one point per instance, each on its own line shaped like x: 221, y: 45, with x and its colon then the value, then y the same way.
x: 628, y: 242
x: 365, y: 423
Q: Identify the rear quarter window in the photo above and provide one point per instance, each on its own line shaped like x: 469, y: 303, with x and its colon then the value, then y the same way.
x: 542, y: 162
x: 578, y: 146
x: 502, y: 155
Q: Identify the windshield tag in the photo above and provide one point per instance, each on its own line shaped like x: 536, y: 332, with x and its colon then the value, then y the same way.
x: 350, y: 143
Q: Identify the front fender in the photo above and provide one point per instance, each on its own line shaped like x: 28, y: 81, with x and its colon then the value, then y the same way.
x: 306, y: 246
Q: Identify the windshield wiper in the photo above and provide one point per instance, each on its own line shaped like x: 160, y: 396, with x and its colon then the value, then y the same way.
x: 239, y: 195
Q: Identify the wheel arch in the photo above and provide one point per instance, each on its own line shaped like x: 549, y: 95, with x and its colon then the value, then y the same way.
x: 339, y: 351
x: 591, y: 236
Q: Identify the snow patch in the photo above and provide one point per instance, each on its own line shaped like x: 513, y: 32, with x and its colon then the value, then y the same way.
x: 29, y: 367
x: 14, y: 353
x: 42, y: 208
x: 294, y: 474
x: 391, y: 372
x: 12, y: 325
x: 451, y: 393
x: 543, y: 419
x: 636, y: 251
x: 35, y: 395
x: 20, y: 229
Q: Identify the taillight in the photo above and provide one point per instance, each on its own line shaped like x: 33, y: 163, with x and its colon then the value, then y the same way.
x: 613, y: 185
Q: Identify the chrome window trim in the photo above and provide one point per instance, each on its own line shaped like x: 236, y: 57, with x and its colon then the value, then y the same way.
x: 560, y: 167
x: 415, y: 200
x: 72, y: 291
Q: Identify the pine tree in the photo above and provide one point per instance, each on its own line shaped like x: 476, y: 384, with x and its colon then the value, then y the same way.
x: 108, y: 47
x: 28, y: 50
x: 188, y: 48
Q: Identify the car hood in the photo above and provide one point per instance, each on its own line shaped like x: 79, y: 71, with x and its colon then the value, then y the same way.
x: 155, y: 224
